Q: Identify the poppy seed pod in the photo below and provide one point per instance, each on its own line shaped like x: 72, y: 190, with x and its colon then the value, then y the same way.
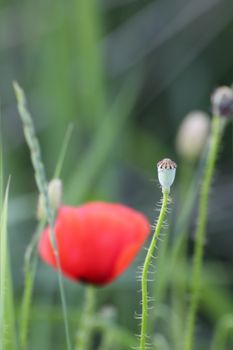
x: 166, y: 173
x: 222, y: 102
x: 96, y: 242
x: 192, y: 135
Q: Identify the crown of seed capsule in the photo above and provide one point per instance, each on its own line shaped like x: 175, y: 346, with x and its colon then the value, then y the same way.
x: 166, y: 173
x: 166, y: 163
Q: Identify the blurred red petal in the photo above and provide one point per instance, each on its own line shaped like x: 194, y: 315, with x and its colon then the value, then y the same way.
x: 96, y: 241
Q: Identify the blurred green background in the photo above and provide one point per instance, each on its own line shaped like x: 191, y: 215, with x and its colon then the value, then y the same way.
x: 124, y: 73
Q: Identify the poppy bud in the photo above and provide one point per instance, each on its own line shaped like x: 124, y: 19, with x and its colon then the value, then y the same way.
x: 55, y: 197
x: 192, y: 135
x: 222, y: 102
x: 96, y: 242
x: 166, y: 173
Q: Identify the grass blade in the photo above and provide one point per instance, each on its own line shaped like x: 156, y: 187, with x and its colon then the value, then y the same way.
x: 7, y: 331
x: 62, y: 154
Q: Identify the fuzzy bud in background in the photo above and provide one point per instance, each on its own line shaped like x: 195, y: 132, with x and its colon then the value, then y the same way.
x: 222, y: 102
x: 192, y: 135
x: 166, y: 173
x: 55, y: 197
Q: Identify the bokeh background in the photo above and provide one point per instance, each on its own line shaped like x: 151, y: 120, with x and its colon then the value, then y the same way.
x: 124, y: 73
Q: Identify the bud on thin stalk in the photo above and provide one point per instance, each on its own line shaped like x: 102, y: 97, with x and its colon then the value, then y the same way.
x: 55, y: 198
x: 222, y: 106
x: 222, y: 102
x: 166, y: 175
x: 192, y: 135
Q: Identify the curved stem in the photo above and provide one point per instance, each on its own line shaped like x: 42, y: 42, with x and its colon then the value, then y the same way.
x: 146, y: 269
x: 84, y: 333
x: 201, y: 228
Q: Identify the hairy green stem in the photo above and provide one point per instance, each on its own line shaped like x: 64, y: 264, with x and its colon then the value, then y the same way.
x: 84, y: 332
x: 146, y: 267
x: 41, y: 181
x: 201, y: 228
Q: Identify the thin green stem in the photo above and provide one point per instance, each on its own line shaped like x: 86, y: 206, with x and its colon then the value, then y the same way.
x: 201, y: 228
x: 41, y: 181
x: 30, y: 265
x: 62, y: 153
x: 86, y: 326
x: 146, y: 266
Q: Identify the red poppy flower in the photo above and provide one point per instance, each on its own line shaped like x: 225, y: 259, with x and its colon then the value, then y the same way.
x: 96, y: 241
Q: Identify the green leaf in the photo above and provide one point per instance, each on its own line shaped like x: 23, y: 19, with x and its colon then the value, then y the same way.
x: 7, y: 329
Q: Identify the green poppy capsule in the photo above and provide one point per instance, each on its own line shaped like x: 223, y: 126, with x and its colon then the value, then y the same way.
x: 166, y: 173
